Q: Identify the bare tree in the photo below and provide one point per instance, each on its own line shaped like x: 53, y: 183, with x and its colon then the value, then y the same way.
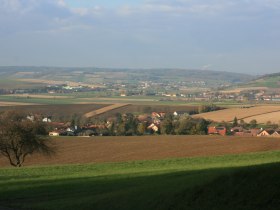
x: 19, y: 138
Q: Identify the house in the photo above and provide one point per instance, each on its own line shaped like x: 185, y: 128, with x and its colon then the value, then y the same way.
x: 237, y: 129
x: 30, y: 117
x: 155, y: 115
x: 240, y: 131
x: 162, y: 114
x: 179, y: 113
x: 275, y: 134
x: 54, y: 133
x: 144, y: 118
x: 58, y: 125
x: 266, y: 133
x: 255, y: 131
x: 47, y: 119
x: 217, y: 130
x: 153, y: 127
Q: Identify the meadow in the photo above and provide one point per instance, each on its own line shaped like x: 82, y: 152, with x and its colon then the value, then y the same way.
x: 245, y: 181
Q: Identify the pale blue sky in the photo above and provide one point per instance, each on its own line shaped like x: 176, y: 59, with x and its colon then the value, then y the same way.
x: 225, y: 35
x: 109, y: 4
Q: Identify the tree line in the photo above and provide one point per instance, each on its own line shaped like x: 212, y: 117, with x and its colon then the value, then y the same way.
x: 129, y: 125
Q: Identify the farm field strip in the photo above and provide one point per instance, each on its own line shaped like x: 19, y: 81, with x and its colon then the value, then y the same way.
x: 273, y: 117
x: 39, y: 96
x: 238, y: 90
x: 57, y: 110
x: 241, y: 113
x: 4, y: 103
x: 121, y: 99
x: 78, y: 150
x: 104, y: 110
x: 58, y: 82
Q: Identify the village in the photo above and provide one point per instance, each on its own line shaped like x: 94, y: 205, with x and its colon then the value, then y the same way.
x: 184, y: 91
x: 158, y: 123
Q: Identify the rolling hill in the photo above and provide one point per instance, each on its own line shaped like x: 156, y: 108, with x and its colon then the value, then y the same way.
x: 101, y: 75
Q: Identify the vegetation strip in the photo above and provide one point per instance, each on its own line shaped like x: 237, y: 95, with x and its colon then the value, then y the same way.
x: 156, y: 184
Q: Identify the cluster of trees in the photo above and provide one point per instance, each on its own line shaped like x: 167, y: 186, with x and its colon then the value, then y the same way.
x: 254, y: 124
x: 20, y: 137
x: 129, y: 124
x: 184, y: 126
x: 208, y: 108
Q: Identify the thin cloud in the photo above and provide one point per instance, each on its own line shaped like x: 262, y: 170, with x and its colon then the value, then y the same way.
x: 176, y: 33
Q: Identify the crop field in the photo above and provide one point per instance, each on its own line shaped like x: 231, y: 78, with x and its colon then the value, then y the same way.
x: 78, y: 98
x: 148, y: 109
x: 244, y: 181
x: 57, y: 110
x: 118, y: 149
x: 5, y: 104
x: 273, y: 117
x: 6, y: 83
x: 228, y: 115
x: 240, y: 89
x: 38, y: 96
x: 104, y: 110
x: 93, y: 109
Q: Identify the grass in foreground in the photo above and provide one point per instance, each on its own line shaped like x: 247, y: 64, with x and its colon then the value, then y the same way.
x: 249, y: 181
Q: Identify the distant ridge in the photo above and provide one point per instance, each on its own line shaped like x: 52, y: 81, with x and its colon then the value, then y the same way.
x: 210, y: 78
x: 269, y: 75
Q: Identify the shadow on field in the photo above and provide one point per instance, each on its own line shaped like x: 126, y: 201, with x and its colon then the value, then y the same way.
x: 254, y: 187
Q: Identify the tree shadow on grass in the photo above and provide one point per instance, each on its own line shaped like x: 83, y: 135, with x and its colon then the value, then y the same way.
x: 254, y: 187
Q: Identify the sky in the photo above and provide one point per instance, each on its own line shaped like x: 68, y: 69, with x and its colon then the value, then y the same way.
x: 225, y: 35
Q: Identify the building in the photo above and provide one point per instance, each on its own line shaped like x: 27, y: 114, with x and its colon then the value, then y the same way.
x: 217, y: 130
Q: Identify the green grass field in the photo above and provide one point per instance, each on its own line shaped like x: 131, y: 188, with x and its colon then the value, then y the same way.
x: 248, y: 181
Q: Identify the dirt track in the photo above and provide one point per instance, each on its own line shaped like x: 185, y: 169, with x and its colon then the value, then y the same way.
x: 117, y: 149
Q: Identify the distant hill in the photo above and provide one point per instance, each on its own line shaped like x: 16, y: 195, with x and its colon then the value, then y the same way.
x: 206, y: 77
x: 268, y: 80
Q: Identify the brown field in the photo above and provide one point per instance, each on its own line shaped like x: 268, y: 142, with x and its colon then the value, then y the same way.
x: 241, y: 113
x: 58, y: 110
x: 238, y: 90
x: 78, y: 150
x: 104, y: 110
x: 273, y: 117
x: 148, y: 109
x: 122, y: 99
x: 101, y: 109
x: 38, y: 96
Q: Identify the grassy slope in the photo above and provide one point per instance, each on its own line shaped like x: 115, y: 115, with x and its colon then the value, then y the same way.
x: 270, y: 82
x: 225, y: 182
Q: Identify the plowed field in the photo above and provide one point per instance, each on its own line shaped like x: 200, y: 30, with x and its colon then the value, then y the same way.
x: 72, y: 150
x: 58, y: 110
